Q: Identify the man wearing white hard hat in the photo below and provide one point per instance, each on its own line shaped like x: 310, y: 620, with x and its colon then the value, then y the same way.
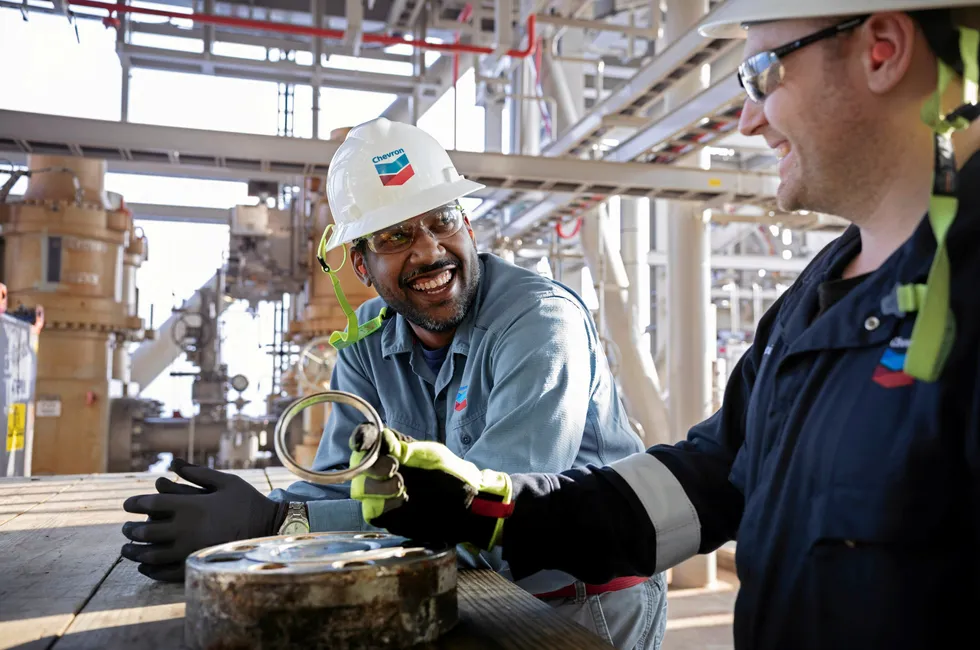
x: 845, y: 459
x: 462, y: 348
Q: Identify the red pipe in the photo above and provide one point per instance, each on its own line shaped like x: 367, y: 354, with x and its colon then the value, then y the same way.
x: 305, y: 30
x: 464, y: 15
x: 564, y: 235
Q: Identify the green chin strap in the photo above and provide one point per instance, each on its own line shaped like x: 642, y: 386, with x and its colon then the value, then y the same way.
x: 935, y: 329
x: 353, y: 333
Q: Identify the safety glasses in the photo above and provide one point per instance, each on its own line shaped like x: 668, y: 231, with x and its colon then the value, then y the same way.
x: 760, y: 74
x: 440, y: 223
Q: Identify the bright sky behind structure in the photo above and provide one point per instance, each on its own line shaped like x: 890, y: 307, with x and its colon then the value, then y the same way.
x: 50, y: 72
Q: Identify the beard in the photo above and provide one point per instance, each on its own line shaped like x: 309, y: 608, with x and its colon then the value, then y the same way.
x: 455, y: 309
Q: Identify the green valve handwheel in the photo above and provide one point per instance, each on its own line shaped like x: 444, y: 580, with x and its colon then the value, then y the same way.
x: 334, y: 476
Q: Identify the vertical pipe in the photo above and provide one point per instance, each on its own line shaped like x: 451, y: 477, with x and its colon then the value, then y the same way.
x: 124, y: 94
x: 493, y: 116
x: 558, y: 85
x: 190, y: 436
x: 599, y: 274
x: 757, y: 304
x: 516, y: 122
x: 530, y: 111
x: 208, y: 30
x: 634, y: 229
x: 660, y: 213
x: 125, y: 68
x: 418, y: 67
x: 637, y: 375
x: 317, y: 62
x: 735, y: 309
x: 316, y: 112
x: 688, y: 277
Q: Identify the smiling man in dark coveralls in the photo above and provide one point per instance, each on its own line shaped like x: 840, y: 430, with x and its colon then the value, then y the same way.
x: 845, y: 458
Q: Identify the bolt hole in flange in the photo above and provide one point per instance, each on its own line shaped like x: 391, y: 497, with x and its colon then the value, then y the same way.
x: 371, y: 536
x: 348, y: 565
x: 270, y: 566
x: 224, y: 557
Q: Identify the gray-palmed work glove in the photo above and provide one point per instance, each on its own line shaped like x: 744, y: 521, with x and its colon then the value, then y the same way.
x: 184, y: 518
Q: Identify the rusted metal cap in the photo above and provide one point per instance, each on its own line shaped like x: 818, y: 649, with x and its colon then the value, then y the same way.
x: 339, y: 590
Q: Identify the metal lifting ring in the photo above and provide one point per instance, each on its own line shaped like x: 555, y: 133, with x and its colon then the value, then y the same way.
x: 335, y: 476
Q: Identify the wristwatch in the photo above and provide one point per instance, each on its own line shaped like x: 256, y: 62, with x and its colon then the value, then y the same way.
x: 297, y: 520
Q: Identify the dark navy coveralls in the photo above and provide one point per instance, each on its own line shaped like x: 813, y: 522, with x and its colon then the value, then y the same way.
x: 853, y: 491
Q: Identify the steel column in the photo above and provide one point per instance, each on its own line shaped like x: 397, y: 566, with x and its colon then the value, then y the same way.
x: 689, y: 293
x: 637, y: 377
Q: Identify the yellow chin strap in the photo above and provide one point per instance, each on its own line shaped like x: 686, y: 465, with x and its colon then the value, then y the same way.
x: 935, y: 329
x: 353, y: 333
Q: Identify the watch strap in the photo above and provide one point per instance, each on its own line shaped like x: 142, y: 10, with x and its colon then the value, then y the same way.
x: 296, y: 511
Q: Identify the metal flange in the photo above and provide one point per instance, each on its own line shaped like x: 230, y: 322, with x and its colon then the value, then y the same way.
x: 335, y: 476
x: 342, y: 590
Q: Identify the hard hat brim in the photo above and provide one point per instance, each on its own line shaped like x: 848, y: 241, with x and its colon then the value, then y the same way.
x: 391, y: 214
x: 731, y: 18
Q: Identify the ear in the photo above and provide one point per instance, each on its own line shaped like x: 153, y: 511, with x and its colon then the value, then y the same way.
x: 888, y: 45
x: 469, y: 228
x: 357, y: 261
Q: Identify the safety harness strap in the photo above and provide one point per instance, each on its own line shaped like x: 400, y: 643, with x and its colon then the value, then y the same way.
x: 934, y: 329
x: 354, y: 332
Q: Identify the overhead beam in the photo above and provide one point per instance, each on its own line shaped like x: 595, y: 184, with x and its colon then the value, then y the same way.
x: 279, y: 41
x: 441, y: 72
x: 630, y: 106
x: 198, y: 153
x: 276, y: 71
x: 168, y: 213
x: 704, y: 119
x: 643, y: 89
x: 178, y: 213
x: 599, y: 25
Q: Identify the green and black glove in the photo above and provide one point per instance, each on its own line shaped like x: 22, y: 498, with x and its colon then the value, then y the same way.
x: 184, y: 519
x: 421, y: 490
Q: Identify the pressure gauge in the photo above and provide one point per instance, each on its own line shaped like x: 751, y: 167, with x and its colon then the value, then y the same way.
x: 316, y: 362
x: 239, y: 382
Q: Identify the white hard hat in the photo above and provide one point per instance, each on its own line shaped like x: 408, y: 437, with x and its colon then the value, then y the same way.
x: 729, y: 20
x: 386, y: 172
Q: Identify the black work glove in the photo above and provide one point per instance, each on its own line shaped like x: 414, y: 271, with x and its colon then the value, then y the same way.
x: 184, y: 518
x: 421, y: 490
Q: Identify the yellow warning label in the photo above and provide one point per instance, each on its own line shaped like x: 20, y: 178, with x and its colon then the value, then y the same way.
x: 16, y: 426
x: 714, y: 182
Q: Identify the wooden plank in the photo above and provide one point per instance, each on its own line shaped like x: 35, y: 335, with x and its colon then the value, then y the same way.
x: 256, y: 478
x: 495, y: 614
x: 128, y: 611
x: 280, y: 477
x: 65, y: 587
x: 18, y: 495
x: 131, y: 611
x: 53, y: 557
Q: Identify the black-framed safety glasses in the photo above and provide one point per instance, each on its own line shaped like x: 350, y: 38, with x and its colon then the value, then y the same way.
x: 760, y: 74
x: 440, y: 223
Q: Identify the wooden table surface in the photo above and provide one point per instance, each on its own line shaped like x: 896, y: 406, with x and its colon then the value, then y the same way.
x: 63, y: 584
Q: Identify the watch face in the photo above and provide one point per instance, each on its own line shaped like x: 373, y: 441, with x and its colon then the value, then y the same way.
x: 295, y: 528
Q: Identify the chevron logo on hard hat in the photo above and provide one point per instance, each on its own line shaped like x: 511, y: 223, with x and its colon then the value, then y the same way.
x: 393, y: 167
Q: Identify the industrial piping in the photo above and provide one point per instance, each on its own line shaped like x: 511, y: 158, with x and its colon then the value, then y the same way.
x: 306, y: 30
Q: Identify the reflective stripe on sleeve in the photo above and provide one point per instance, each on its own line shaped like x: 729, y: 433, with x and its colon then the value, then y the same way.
x: 670, y: 510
